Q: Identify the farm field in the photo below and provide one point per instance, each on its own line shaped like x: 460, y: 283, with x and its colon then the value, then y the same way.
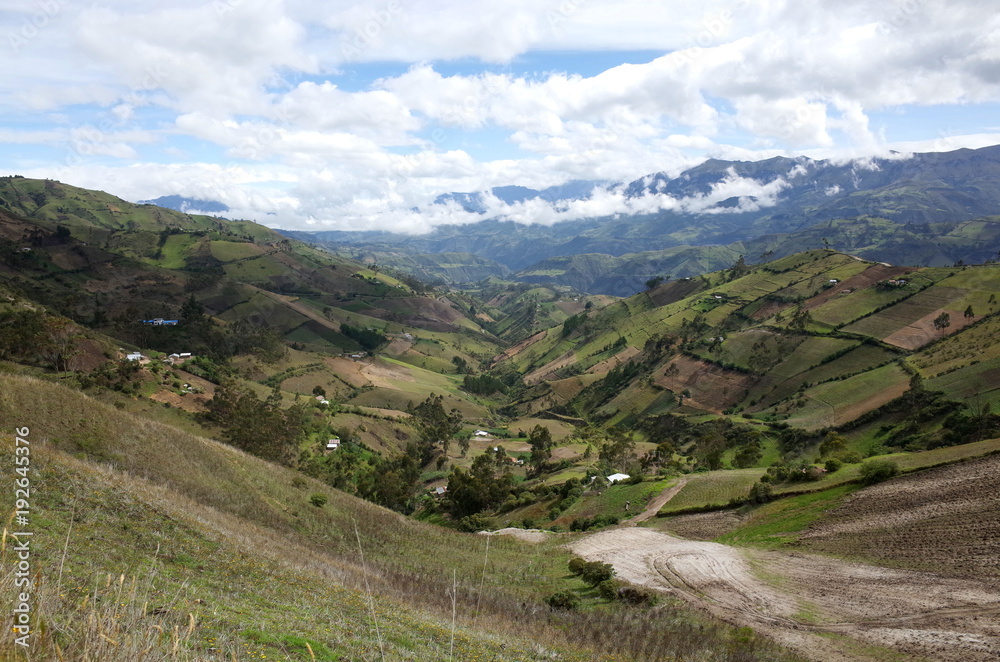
x: 946, y: 520
x: 837, y: 402
x: 715, y: 488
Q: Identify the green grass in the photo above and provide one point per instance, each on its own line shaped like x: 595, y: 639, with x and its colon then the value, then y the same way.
x: 715, y: 488
x: 228, y: 251
x: 612, y: 500
x: 844, y: 400
x: 776, y: 524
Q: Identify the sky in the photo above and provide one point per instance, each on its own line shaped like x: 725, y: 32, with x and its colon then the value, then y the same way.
x: 357, y: 115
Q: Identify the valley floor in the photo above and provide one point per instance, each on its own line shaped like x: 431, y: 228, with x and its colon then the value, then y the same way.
x: 824, y: 608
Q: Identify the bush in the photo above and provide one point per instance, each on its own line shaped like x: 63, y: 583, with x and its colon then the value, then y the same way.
x: 477, y: 522
x: 875, y: 471
x: 833, y: 465
x: 852, y: 457
x: 637, y: 597
x: 596, y: 572
x: 608, y: 589
x: 576, y: 565
x: 565, y: 600
x: 318, y: 500
x: 761, y: 492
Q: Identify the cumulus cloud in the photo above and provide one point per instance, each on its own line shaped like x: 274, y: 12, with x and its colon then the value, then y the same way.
x: 271, y: 106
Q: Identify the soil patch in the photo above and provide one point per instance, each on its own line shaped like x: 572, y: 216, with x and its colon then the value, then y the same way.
x: 945, y: 519
x: 712, y: 388
x: 796, y: 598
x: 922, y: 331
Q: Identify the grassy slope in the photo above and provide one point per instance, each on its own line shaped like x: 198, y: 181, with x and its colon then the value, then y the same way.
x: 265, y: 521
x: 238, y: 563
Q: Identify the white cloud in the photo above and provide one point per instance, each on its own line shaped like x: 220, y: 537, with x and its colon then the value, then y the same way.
x: 282, y: 90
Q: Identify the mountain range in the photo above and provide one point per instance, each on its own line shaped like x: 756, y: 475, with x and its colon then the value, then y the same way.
x: 928, y: 209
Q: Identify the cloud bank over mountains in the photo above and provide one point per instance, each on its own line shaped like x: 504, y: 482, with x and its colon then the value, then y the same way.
x: 357, y: 115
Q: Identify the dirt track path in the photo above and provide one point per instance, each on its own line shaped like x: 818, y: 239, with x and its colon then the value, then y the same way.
x: 796, y: 598
x: 657, y: 503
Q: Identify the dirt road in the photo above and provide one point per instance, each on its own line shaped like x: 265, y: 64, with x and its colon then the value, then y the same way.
x: 815, y: 605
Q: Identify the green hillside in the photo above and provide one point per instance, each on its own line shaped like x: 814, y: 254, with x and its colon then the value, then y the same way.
x: 143, y: 530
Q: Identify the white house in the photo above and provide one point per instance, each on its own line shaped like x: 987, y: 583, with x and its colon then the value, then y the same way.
x: 614, y: 478
x: 480, y: 433
x: 333, y: 444
x: 133, y: 356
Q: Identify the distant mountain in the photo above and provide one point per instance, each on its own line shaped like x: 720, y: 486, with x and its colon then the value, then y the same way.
x: 187, y: 205
x: 576, y: 189
x: 899, y: 209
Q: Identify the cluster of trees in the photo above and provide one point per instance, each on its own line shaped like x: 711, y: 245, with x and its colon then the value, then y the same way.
x: 485, y: 486
x: 484, y: 384
x: 31, y: 336
x: 369, y: 339
x: 259, y: 427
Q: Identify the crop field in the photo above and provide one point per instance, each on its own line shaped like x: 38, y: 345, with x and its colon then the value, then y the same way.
x: 835, y: 403
x: 841, y: 307
x: 974, y: 343
x: 317, y: 337
x: 945, y: 520
x: 800, y: 354
x: 175, y: 251
x: 711, y: 387
x: 737, y: 348
x: 980, y: 378
x: 254, y: 270
x: 558, y: 429
x: 861, y: 358
x: 227, y: 251
x: 715, y: 488
x: 262, y: 308
x: 781, y: 522
x: 886, y: 322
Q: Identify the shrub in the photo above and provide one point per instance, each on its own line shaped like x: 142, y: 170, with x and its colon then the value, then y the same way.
x: 318, y: 500
x: 875, y: 471
x: 576, y: 565
x: 852, y: 457
x: 833, y: 465
x: 596, y: 572
x: 608, y: 589
x: 760, y: 493
x: 565, y: 600
x: 637, y: 597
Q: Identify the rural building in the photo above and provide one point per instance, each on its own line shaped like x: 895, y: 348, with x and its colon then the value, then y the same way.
x: 134, y: 356
x: 480, y: 433
x: 439, y: 491
x: 614, y: 478
x: 159, y: 321
x: 333, y: 443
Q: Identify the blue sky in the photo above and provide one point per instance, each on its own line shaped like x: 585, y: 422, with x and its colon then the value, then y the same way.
x: 348, y: 115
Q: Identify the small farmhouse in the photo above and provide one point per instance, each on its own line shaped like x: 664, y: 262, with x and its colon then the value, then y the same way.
x: 615, y: 478
x: 333, y: 443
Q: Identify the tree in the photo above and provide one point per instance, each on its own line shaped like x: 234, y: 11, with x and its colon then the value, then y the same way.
x: 319, y: 390
x: 435, y: 425
x: 484, y: 486
x: 653, y: 282
x: 540, y: 440
x: 942, y: 321
x: 969, y: 312
x: 192, y: 310
x: 260, y: 428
